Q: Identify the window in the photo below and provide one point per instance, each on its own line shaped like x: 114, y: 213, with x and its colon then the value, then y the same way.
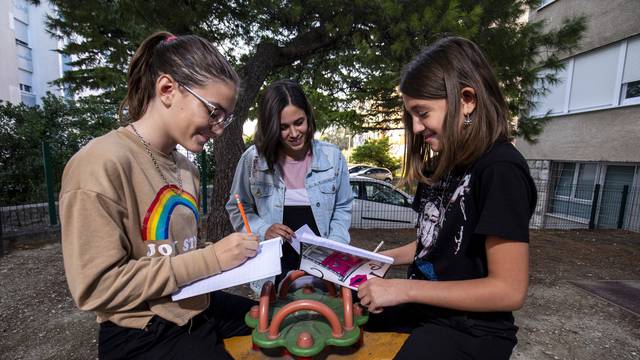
x: 384, y: 194
x: 21, y: 10
x: 28, y: 99
x: 554, y: 100
x: 594, y: 78
x: 25, y: 77
x: 357, y: 168
x: 24, y: 56
x: 611, y: 196
x: 631, y: 74
x: 603, y: 78
x: 573, y: 190
x: 585, y: 180
x: 22, y: 32
x: 355, y: 190
x: 26, y: 88
x: 631, y: 90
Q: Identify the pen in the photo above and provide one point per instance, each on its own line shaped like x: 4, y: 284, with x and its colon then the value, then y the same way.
x: 379, y: 246
x: 244, y: 216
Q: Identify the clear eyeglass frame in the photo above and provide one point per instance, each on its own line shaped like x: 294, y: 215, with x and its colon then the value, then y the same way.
x: 217, y: 114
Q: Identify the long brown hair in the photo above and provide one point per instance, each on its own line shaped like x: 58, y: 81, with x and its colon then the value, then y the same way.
x: 189, y: 59
x: 441, y: 71
x: 276, y: 97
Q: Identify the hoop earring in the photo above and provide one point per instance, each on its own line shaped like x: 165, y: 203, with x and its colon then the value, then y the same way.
x: 467, y: 120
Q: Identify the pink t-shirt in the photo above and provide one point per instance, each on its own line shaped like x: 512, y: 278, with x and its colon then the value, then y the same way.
x: 294, y: 173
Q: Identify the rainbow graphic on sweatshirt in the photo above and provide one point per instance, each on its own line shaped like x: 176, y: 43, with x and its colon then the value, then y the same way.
x: 156, y: 222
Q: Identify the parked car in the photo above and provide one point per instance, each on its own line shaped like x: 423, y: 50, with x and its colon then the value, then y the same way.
x: 375, y: 173
x: 357, y: 168
x: 377, y: 204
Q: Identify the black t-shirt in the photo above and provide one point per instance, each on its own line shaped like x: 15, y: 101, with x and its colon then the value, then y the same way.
x: 494, y: 196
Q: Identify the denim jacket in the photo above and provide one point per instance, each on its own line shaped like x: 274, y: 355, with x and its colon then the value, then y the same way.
x: 262, y: 192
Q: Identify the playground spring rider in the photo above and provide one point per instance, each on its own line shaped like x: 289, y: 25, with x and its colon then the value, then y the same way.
x: 306, y: 320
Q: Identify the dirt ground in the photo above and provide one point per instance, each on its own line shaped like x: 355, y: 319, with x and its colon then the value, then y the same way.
x: 38, y: 319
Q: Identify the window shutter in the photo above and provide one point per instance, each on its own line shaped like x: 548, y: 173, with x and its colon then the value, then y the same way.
x: 594, y: 78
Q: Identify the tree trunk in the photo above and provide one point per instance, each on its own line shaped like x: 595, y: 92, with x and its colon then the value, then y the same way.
x: 228, y: 148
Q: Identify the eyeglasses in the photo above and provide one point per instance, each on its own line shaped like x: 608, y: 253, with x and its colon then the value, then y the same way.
x: 217, y: 114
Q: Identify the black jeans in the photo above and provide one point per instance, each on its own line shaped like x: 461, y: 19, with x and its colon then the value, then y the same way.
x: 200, y: 338
x: 438, y: 338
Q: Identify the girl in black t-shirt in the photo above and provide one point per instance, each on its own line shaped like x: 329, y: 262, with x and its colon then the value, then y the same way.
x: 469, y: 267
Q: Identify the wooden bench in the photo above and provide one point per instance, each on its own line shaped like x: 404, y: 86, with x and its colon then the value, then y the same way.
x: 376, y: 346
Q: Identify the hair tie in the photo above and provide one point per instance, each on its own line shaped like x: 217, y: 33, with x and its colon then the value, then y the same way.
x: 170, y: 38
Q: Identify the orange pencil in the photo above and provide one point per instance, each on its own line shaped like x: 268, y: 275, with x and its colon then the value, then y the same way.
x: 244, y: 216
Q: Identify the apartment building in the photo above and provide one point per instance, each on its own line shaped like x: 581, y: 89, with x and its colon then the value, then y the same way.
x: 586, y: 162
x: 29, y: 61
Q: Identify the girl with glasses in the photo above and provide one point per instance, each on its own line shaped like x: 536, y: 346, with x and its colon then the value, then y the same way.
x: 289, y: 179
x: 469, y: 266
x: 129, y: 211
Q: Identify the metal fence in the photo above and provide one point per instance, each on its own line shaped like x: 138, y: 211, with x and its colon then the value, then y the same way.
x: 560, y: 207
x: 26, y: 218
x: 608, y: 206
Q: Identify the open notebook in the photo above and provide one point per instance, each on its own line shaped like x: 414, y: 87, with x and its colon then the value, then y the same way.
x: 265, y: 264
x: 339, y: 263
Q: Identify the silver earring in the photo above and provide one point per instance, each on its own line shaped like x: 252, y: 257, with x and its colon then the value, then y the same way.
x: 467, y: 120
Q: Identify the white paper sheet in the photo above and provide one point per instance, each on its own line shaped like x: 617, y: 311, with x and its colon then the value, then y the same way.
x: 265, y: 264
x: 305, y: 234
x: 295, y: 241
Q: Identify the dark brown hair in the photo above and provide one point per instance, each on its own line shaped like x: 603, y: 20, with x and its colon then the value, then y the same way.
x: 441, y: 71
x: 189, y: 59
x: 276, y: 97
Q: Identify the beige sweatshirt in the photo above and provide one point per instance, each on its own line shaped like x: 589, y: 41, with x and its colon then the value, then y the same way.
x: 128, y: 240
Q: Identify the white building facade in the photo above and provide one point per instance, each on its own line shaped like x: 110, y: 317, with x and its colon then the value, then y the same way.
x: 29, y: 60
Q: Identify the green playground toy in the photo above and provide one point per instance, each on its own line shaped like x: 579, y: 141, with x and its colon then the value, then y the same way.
x: 306, y: 320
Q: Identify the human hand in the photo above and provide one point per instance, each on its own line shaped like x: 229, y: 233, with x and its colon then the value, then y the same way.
x: 235, y: 249
x: 377, y: 293
x: 281, y: 230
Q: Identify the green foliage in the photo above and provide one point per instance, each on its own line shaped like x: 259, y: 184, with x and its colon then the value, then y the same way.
x: 340, y: 137
x: 249, y: 140
x: 65, y: 124
x: 348, y: 54
x: 375, y: 152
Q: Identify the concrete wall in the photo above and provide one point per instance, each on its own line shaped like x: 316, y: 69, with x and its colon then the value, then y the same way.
x: 540, y: 172
x: 607, y: 135
x: 609, y: 21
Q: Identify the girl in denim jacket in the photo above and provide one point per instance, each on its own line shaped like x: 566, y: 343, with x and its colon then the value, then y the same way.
x: 288, y: 179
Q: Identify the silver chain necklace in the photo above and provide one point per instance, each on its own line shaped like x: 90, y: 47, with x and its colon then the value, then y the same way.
x: 155, y: 162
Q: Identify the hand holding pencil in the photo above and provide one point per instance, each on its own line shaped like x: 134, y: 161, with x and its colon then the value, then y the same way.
x: 236, y: 248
